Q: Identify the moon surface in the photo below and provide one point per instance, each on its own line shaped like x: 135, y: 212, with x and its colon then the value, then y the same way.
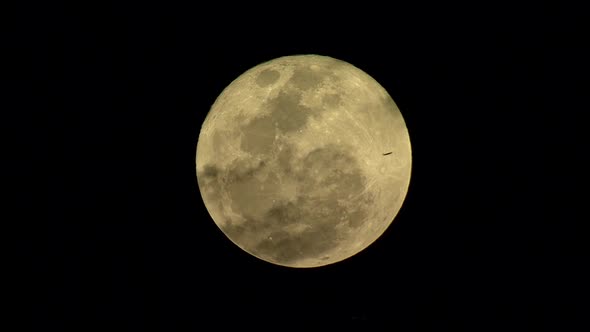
x: 303, y: 161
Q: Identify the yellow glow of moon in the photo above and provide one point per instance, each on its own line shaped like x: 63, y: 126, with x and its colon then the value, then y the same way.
x: 303, y: 161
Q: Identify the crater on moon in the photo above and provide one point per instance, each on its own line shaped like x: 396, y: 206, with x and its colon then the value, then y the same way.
x: 300, y: 179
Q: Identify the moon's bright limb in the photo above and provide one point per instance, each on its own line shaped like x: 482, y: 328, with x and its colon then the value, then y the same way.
x: 303, y: 161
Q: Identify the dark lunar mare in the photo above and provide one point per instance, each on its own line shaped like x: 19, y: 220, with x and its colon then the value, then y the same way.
x: 327, y: 176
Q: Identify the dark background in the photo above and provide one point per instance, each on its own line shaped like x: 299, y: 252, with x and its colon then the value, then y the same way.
x: 112, y: 98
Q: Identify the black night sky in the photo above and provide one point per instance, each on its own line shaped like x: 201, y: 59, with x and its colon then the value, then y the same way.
x: 118, y: 236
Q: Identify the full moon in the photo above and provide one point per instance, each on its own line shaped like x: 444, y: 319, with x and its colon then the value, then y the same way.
x: 303, y: 161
